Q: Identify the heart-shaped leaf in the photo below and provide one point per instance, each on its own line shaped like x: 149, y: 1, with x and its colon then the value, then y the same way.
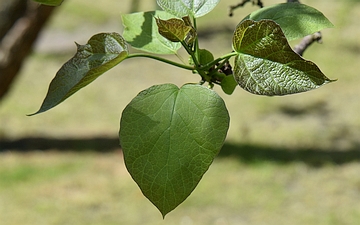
x: 266, y: 64
x: 169, y: 138
x: 102, y: 52
x: 50, y: 2
x: 193, y: 8
x: 173, y: 29
x: 141, y: 32
x: 296, y: 20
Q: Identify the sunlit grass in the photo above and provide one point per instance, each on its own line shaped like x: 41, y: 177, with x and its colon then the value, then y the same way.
x: 88, y: 188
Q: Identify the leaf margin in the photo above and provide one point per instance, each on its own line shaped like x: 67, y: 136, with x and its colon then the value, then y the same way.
x: 60, y: 83
x: 153, y: 122
x: 274, y: 30
x: 303, y: 13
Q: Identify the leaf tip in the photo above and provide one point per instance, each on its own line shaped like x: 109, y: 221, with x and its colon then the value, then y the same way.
x: 163, y: 215
x: 32, y: 114
x: 37, y: 112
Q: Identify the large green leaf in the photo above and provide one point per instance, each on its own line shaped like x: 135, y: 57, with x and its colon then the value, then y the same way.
x: 102, y: 52
x: 266, y: 64
x: 194, y: 8
x: 169, y: 138
x: 141, y: 32
x: 50, y: 2
x: 296, y: 20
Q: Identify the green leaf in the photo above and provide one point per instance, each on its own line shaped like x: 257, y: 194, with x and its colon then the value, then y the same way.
x: 102, y: 52
x: 193, y: 8
x: 205, y: 56
x: 266, y: 64
x: 296, y: 20
x: 228, y: 84
x: 169, y: 137
x: 174, y: 30
x: 141, y: 32
x: 50, y: 2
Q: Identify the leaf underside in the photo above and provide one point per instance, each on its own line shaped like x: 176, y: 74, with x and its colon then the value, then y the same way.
x: 266, y: 64
x: 102, y: 52
x: 169, y: 138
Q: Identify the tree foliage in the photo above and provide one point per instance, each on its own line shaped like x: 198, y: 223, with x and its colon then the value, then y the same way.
x: 170, y: 135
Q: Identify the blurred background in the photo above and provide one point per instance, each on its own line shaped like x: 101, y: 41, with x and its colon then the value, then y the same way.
x: 287, y: 160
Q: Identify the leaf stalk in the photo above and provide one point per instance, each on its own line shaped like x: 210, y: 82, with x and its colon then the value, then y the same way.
x: 134, y: 55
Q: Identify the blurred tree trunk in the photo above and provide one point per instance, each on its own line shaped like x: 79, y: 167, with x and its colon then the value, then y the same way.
x: 20, y: 23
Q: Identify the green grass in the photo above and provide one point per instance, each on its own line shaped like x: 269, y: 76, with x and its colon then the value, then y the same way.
x: 89, y: 188
x: 287, y: 160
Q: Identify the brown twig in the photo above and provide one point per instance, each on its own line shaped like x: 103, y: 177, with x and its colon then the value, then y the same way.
x: 241, y: 4
x: 306, y: 42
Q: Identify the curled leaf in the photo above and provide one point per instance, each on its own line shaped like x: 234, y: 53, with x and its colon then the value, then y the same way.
x: 102, y: 52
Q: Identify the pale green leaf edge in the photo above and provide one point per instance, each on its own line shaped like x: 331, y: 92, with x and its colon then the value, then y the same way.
x: 299, y: 20
x: 50, y: 2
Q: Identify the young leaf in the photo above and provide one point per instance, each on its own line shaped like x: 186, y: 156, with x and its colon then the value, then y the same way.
x: 296, y: 20
x: 193, y: 8
x: 102, y: 52
x: 141, y: 32
x: 228, y: 84
x: 205, y: 56
x: 169, y: 138
x: 50, y: 2
x: 266, y: 64
x: 173, y: 29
